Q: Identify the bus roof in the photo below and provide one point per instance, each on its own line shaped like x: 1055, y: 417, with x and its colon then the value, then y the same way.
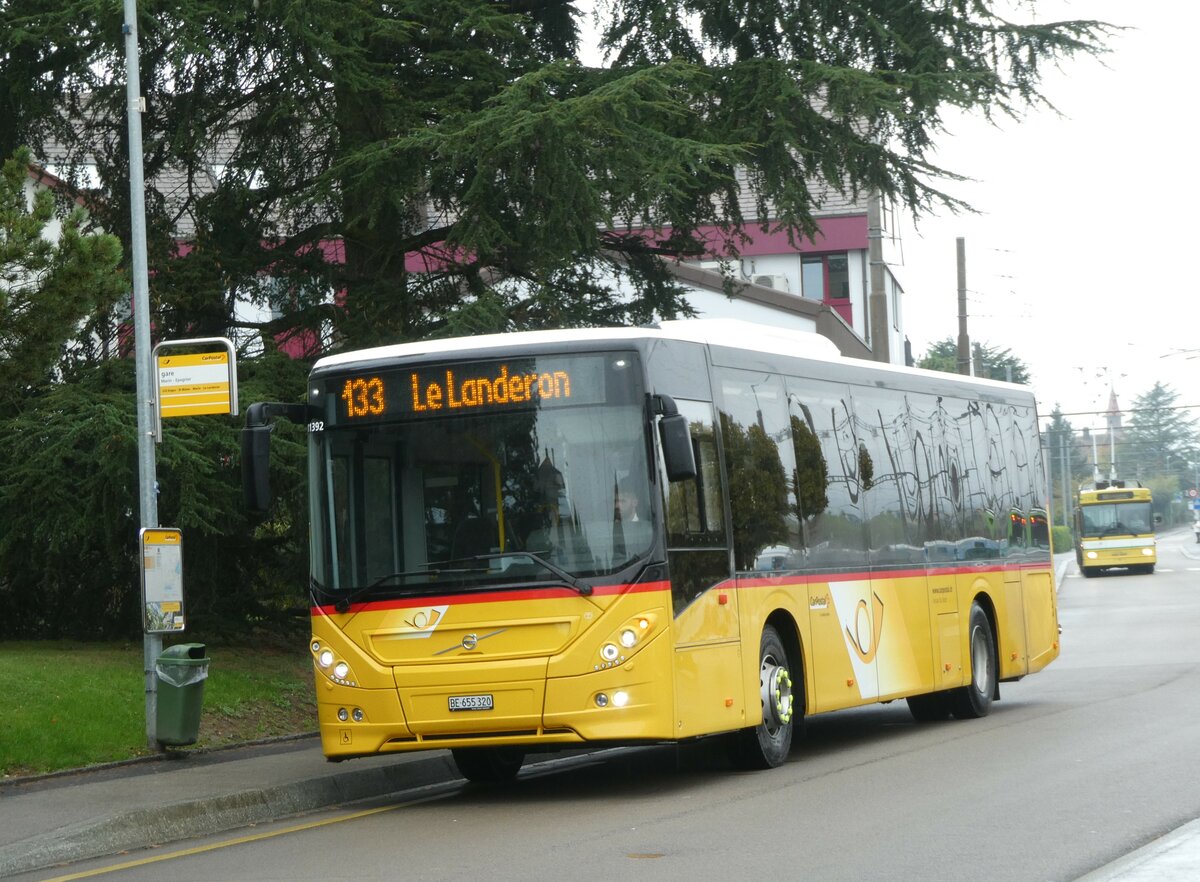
x: 732, y: 333
x: 723, y: 332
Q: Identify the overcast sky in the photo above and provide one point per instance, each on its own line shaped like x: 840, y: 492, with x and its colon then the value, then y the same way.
x: 1080, y: 259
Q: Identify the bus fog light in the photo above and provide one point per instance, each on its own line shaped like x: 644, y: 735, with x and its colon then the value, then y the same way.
x: 325, y: 659
x: 357, y: 714
x: 601, y: 700
x: 343, y: 714
x: 620, y: 699
x: 340, y: 670
x: 609, y: 652
x: 628, y: 638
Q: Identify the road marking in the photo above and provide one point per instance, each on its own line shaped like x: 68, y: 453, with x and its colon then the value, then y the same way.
x: 430, y: 793
x: 255, y: 837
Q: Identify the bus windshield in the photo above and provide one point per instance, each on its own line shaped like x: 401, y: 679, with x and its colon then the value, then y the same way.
x: 1120, y: 518
x: 546, y: 492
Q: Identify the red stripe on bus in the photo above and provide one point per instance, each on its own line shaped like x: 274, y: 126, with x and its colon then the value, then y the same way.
x: 490, y: 597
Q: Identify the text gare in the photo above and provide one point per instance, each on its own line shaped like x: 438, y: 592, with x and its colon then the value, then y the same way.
x: 504, y: 388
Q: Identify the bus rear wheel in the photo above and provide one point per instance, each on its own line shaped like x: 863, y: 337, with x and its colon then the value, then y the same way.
x: 975, y: 699
x: 488, y: 765
x: 766, y: 745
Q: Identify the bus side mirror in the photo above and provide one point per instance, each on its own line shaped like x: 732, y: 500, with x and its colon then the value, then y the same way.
x: 256, y: 476
x: 1158, y: 519
x: 678, y: 453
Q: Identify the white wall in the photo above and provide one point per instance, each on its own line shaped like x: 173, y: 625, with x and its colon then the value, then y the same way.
x: 714, y: 304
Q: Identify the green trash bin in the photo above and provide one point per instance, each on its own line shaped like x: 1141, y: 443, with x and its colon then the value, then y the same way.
x: 180, y: 671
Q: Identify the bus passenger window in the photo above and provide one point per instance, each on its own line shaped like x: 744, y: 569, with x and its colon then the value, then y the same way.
x: 695, y: 508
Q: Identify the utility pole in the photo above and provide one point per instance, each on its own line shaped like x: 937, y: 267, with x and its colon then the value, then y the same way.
x: 877, y: 309
x: 1066, y: 485
x: 147, y: 479
x: 964, y: 340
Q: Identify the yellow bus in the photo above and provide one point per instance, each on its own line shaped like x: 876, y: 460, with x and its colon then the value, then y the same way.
x: 1114, y: 528
x: 540, y: 540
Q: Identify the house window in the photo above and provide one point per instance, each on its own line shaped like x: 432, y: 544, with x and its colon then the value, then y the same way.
x: 825, y: 276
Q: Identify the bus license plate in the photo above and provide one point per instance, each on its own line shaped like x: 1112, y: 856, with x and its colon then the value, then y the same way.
x: 470, y: 702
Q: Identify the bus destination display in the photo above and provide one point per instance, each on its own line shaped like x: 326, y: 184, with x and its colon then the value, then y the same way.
x: 462, y: 389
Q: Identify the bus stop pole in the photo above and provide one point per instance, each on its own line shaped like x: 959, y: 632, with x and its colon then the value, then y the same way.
x: 147, y: 480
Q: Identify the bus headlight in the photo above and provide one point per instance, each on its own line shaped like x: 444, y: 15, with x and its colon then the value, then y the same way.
x: 331, y: 666
x: 1148, y: 552
x: 628, y: 638
x: 609, y: 652
x: 1091, y: 555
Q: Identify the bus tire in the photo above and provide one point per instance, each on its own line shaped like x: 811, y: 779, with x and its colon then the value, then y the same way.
x: 1088, y: 572
x: 975, y: 699
x: 930, y: 708
x: 1148, y: 569
x: 767, y: 745
x: 488, y: 765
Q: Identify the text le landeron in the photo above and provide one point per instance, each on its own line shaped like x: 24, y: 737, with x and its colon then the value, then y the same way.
x: 504, y: 388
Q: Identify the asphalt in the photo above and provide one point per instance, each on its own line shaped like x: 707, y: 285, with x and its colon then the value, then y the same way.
x: 58, y: 819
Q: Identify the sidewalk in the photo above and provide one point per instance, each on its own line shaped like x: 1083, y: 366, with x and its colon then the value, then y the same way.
x: 91, y: 813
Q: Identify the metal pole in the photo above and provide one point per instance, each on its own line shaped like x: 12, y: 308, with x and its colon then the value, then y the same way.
x: 1066, y: 486
x: 147, y: 481
x: 964, y: 340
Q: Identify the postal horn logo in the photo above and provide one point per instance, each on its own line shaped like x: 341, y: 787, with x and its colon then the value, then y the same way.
x: 868, y: 627
x: 424, y: 621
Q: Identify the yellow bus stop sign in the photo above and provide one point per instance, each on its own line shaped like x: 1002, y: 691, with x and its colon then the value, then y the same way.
x: 189, y: 385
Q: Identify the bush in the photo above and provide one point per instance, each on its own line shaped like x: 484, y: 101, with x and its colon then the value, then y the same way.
x: 1061, y: 539
x: 69, y: 503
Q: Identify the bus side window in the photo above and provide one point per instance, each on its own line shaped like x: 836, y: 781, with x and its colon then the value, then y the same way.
x: 827, y: 488
x: 697, y: 549
x: 759, y: 463
x: 695, y: 507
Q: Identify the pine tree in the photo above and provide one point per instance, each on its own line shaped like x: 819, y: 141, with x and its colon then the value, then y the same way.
x: 1160, y: 440
x: 991, y: 362
x: 466, y: 140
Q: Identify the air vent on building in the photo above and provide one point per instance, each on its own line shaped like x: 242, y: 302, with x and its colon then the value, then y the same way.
x: 779, y: 283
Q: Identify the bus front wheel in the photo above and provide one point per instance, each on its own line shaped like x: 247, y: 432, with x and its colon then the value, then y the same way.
x: 488, y: 765
x: 975, y: 699
x: 766, y: 745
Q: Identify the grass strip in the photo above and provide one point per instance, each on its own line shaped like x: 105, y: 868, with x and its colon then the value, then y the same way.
x: 68, y: 705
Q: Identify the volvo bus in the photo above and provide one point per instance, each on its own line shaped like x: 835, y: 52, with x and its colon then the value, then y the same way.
x: 1114, y: 528
x: 534, y: 541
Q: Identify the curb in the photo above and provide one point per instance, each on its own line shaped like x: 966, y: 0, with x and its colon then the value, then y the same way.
x: 121, y: 831
x: 24, y: 782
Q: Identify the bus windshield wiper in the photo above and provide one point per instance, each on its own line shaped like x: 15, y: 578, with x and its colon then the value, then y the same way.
x: 571, y: 582
x: 344, y: 602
